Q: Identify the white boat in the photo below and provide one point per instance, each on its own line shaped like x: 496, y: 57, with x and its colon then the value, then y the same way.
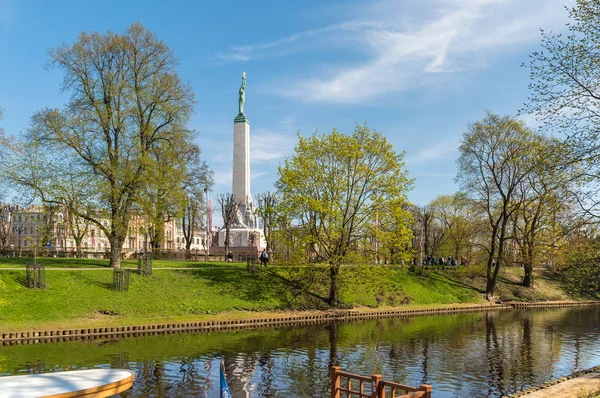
x: 76, y: 383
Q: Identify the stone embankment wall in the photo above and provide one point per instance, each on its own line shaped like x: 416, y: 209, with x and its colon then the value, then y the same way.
x: 33, y: 337
x: 61, y: 335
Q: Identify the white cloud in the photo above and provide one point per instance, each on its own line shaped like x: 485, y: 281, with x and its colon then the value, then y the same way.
x: 408, y: 44
x: 257, y: 175
x: 443, y: 150
x: 297, y: 42
x: 269, y: 146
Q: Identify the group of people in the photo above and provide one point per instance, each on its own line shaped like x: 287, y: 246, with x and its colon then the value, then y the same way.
x: 453, y: 261
x: 263, y: 258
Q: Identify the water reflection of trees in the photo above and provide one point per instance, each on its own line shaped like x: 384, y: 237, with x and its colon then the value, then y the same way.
x: 475, y: 354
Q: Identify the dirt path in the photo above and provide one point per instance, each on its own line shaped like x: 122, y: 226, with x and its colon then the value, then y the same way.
x: 573, y: 388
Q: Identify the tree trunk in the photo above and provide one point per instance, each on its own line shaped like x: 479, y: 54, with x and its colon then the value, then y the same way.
x: 528, y: 267
x: 78, y: 248
x: 489, y: 289
x: 491, y: 285
x: 226, y: 243
x: 116, y: 245
x: 457, y: 251
x: 334, y: 271
x: 528, y: 277
x: 158, y: 241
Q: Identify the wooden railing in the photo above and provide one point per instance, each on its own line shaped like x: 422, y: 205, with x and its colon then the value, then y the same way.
x: 349, y: 385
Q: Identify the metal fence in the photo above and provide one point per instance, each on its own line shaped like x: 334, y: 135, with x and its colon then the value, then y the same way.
x: 121, y: 279
x: 35, y: 275
x: 145, y: 264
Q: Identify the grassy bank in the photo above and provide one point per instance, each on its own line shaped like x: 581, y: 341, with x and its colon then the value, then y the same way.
x: 75, y: 298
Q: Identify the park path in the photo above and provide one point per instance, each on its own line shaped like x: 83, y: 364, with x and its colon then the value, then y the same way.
x: 573, y: 388
x: 241, y: 267
x: 108, y: 268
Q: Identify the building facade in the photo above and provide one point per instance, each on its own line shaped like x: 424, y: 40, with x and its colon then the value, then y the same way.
x: 38, y: 228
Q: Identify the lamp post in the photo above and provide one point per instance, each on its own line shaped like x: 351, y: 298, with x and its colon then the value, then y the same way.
x: 208, y: 228
x: 19, y: 231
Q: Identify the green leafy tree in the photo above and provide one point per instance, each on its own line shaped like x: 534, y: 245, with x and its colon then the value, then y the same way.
x: 495, y: 158
x: 581, y: 271
x: 459, y: 218
x: 332, y: 188
x: 126, y: 103
x: 542, y: 193
x: 392, y: 232
x: 565, y: 93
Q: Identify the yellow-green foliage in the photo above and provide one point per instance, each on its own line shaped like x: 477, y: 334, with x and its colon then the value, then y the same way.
x: 345, y: 194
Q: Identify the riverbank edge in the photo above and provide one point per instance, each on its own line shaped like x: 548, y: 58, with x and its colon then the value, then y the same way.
x: 550, y: 384
x: 274, y: 320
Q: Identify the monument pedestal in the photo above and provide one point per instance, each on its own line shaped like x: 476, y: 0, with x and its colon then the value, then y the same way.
x: 245, y: 241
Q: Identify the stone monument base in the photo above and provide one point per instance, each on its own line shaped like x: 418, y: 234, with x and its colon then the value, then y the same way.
x: 243, y: 238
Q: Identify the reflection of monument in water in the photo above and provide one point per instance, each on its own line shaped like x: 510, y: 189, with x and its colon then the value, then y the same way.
x: 245, y: 234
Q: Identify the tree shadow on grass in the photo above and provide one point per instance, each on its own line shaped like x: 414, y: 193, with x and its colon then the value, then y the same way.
x: 238, y: 282
x: 452, y: 281
x: 296, y: 286
x: 21, y: 280
x: 507, y: 281
x: 263, y: 285
x: 82, y: 278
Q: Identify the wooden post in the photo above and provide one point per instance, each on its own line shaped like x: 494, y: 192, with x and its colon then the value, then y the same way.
x: 378, y: 389
x: 335, y: 381
x: 427, y: 389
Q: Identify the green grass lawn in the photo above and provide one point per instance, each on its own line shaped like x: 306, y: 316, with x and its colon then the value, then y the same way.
x: 85, y: 297
x: 76, y: 298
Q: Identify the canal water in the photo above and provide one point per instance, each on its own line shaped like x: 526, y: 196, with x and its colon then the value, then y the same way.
x: 462, y: 355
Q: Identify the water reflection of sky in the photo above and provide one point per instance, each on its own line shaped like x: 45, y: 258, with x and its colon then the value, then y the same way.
x: 477, y: 355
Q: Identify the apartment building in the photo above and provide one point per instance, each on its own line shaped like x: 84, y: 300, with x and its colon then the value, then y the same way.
x: 35, y: 227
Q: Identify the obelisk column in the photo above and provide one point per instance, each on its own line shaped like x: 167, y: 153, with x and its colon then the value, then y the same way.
x: 241, y: 151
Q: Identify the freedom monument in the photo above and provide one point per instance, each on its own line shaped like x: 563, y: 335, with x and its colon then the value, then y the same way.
x: 245, y: 232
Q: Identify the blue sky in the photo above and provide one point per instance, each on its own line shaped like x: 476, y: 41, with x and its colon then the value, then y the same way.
x: 416, y: 70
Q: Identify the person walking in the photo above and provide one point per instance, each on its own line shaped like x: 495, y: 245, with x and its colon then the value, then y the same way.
x: 264, y: 258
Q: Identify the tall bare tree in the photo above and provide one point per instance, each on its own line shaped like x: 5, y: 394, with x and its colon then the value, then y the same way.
x: 7, y: 216
x: 433, y: 231
x: 196, y: 184
x: 495, y: 158
x: 126, y: 101
x: 230, y: 206
x: 267, y: 211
